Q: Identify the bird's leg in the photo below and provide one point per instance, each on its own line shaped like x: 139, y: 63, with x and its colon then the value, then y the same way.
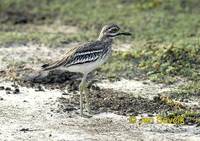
x: 86, y: 92
x: 81, y: 89
x: 87, y: 99
x: 81, y: 100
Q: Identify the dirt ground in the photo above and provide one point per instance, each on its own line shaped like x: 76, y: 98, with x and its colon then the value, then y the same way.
x: 32, y: 111
x: 34, y: 114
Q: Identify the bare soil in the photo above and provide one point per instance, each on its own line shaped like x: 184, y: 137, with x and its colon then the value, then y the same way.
x: 38, y: 106
x: 34, y: 114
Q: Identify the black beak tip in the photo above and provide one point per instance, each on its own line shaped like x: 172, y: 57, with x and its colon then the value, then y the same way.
x: 128, y: 34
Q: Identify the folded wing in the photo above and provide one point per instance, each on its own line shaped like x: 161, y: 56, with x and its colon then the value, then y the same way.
x: 79, y: 55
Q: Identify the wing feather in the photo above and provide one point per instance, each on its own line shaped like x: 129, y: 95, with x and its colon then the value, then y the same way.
x: 78, y: 55
x: 66, y: 57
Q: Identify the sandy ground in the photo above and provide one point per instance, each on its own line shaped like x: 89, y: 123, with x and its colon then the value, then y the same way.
x: 33, y: 114
x: 139, y: 88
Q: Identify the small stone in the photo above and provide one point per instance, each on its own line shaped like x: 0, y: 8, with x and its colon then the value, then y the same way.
x: 150, y: 115
x: 39, y: 88
x: 8, y: 89
x: 68, y: 107
x: 97, y: 88
x: 14, y: 85
x: 2, y: 87
x: 64, y: 93
x: 198, y: 125
x: 8, y: 92
x: 1, y: 98
x: 145, y: 82
x: 24, y: 129
x: 16, y: 91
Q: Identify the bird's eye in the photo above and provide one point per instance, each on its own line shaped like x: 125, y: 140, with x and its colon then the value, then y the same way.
x: 114, y: 30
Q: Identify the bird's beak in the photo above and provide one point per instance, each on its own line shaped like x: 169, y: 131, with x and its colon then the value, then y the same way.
x: 124, y: 33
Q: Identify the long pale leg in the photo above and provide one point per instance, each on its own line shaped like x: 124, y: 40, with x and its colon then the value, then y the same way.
x: 87, y: 100
x: 81, y: 89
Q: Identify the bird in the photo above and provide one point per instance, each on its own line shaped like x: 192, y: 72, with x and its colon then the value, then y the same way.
x: 87, y: 57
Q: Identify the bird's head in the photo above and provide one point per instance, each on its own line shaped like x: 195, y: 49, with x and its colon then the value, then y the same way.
x: 111, y: 31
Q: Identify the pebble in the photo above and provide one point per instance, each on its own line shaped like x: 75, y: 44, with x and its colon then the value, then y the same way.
x: 69, y: 107
x: 24, y: 129
x: 64, y: 93
x: 39, y: 88
x: 14, y: 85
x: 8, y: 89
x: 2, y: 87
x: 8, y: 92
x: 16, y: 91
x: 97, y: 88
x: 145, y: 82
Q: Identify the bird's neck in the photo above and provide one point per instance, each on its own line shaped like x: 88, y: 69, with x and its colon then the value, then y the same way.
x: 105, y: 39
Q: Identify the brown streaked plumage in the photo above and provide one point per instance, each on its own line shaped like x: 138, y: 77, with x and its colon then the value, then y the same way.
x: 68, y: 58
x: 87, y: 57
x: 62, y: 60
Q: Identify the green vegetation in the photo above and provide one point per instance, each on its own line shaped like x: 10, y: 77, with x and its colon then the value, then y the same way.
x: 166, y: 32
x: 47, y: 38
x: 160, y: 62
x: 164, y: 62
x: 191, y: 88
x: 180, y: 117
x: 149, y: 20
x: 186, y: 91
x: 122, y: 64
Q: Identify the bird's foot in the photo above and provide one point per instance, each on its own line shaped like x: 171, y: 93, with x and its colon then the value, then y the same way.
x: 86, y: 115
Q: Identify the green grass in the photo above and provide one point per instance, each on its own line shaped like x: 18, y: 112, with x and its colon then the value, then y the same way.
x: 187, y: 91
x: 47, y: 38
x: 149, y: 20
x: 120, y: 65
x: 159, y: 62
x: 165, y: 61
